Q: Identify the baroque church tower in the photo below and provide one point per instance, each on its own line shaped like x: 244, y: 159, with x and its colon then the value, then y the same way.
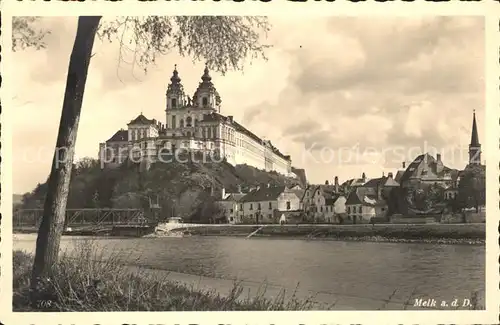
x: 175, y: 98
x: 474, y: 146
x: 206, y: 96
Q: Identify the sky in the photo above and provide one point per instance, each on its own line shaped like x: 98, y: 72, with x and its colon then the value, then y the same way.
x: 341, y: 95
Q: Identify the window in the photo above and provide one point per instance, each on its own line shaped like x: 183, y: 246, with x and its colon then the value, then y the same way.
x: 174, y: 125
x: 288, y: 205
x: 259, y: 207
x: 360, y: 209
x: 269, y: 216
x: 231, y: 219
x: 174, y: 103
x: 241, y: 207
x: 230, y: 210
x: 270, y: 205
x: 320, y: 209
x: 204, y: 101
x: 348, y: 209
x: 251, y: 206
x: 181, y: 123
x: 188, y: 121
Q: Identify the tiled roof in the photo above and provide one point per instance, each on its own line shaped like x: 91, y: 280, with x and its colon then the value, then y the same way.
x: 390, y: 182
x: 264, y: 194
x: 375, y: 182
x: 332, y: 200
x: 216, y: 117
x: 353, y: 198
x: 301, y: 174
x: 382, y: 181
x: 399, y: 174
x: 354, y: 182
x: 364, y: 196
x: 120, y: 135
x: 299, y: 193
x: 234, y: 197
x: 141, y: 119
x: 431, y: 163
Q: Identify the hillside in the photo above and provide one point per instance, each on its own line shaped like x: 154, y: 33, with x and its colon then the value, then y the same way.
x: 187, y: 190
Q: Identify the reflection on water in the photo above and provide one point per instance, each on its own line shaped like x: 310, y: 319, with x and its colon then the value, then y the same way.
x: 351, y: 269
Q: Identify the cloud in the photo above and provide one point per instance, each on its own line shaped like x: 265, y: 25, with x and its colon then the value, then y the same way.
x: 341, y: 95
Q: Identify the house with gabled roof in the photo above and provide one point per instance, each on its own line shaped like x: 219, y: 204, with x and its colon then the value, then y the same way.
x: 382, y: 185
x: 363, y: 204
x: 427, y: 170
x: 230, y: 203
x: 326, y: 204
x: 353, y: 183
x: 266, y: 204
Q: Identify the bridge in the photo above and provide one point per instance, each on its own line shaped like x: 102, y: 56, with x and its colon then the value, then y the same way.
x: 82, y: 218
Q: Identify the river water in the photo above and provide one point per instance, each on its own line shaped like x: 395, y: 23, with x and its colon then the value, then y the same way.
x: 353, y: 275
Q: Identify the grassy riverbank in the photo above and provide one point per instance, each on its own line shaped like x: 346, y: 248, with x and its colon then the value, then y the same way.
x: 427, y: 233
x: 90, y: 283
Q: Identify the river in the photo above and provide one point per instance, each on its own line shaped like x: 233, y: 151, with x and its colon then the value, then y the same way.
x: 353, y: 275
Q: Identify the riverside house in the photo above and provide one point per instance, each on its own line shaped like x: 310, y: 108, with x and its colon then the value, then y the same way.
x: 362, y: 205
x: 230, y: 204
x: 326, y: 204
x: 267, y: 204
x: 368, y: 201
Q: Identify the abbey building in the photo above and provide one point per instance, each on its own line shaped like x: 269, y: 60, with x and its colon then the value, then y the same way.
x: 194, y: 125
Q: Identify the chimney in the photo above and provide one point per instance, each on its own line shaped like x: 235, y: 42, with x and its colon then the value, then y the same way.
x: 239, y: 188
x: 438, y: 157
x: 268, y: 185
x: 326, y: 182
x: 223, y: 193
x: 404, y: 165
x: 363, y: 176
x: 336, y: 180
x: 389, y: 175
x: 383, y: 174
x: 154, y: 121
x: 230, y: 117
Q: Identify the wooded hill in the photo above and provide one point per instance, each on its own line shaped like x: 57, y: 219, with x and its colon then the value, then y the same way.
x: 187, y: 189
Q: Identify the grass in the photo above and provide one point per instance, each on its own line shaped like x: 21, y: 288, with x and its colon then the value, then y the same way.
x: 92, y: 283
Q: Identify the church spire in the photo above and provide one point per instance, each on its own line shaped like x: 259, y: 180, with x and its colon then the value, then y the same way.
x: 175, y: 79
x: 474, y: 139
x: 175, y: 91
x: 474, y: 146
x: 206, y: 76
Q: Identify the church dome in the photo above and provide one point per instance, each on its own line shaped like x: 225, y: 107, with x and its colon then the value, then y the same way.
x: 175, y: 86
x: 206, y: 95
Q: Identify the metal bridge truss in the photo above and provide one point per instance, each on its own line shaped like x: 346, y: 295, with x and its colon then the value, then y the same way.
x: 85, y: 217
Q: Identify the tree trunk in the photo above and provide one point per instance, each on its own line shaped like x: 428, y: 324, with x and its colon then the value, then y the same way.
x: 54, y: 211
